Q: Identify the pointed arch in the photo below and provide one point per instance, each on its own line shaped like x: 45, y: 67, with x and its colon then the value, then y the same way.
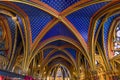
x: 69, y: 40
x: 66, y: 52
x: 24, y: 20
x: 64, y: 46
x: 108, y: 8
x: 7, y: 29
x: 57, y: 64
x: 56, y: 56
x: 110, y: 36
x: 61, y: 63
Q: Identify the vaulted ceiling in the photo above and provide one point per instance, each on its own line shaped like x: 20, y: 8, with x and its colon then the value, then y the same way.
x: 43, y: 35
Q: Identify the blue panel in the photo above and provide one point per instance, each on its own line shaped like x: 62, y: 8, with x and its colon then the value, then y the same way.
x: 12, y: 27
x: 59, y: 29
x: 58, y: 43
x: 72, y: 51
x: 47, y: 51
x: 59, y: 52
x: 100, y: 39
x: 19, y: 39
x: 22, y: 26
x: 38, y: 18
x: 107, y: 27
x: 81, y: 18
x: 59, y: 5
x: 98, y: 24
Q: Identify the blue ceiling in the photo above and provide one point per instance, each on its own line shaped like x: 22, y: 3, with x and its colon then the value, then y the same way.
x: 47, y: 51
x: 38, y: 18
x: 58, y: 43
x: 81, y: 18
x: 59, y: 29
x: 59, y: 5
x: 72, y: 52
x: 59, y: 52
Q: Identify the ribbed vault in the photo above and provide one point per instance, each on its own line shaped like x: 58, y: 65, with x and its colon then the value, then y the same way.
x: 72, y: 39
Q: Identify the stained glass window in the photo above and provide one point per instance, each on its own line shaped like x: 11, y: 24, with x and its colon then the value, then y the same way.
x: 59, y: 73
x: 116, y: 42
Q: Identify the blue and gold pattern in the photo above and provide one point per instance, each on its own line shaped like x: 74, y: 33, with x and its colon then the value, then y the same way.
x: 69, y: 33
